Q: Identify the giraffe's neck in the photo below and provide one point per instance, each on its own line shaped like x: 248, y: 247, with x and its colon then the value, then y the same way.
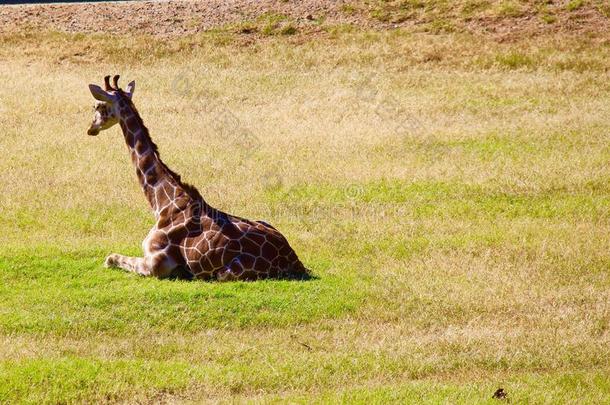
x: 160, y: 185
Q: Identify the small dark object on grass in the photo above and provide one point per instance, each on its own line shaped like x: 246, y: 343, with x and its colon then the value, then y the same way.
x: 499, y: 394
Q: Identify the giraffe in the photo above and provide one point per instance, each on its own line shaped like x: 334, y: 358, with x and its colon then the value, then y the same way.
x: 190, y: 238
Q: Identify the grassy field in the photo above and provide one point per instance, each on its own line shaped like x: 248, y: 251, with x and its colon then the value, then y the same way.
x: 450, y: 193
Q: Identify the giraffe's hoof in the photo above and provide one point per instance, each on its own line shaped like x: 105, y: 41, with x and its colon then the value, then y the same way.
x: 110, y: 261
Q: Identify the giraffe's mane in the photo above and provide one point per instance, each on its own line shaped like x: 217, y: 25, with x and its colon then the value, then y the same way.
x: 189, y: 188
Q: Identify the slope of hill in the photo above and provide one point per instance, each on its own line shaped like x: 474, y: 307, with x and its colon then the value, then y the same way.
x: 502, y: 19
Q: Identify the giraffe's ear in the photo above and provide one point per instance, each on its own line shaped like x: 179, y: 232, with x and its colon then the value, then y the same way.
x: 130, y: 88
x: 99, y: 94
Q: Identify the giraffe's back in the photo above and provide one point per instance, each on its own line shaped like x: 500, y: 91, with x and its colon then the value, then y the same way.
x: 233, y: 248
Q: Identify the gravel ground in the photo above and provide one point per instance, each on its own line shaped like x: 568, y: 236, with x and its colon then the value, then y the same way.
x: 180, y: 17
x: 166, y: 18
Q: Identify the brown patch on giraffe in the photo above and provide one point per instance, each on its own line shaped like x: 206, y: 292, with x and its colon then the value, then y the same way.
x: 182, y: 202
x: 243, y: 226
x: 268, y: 250
x: 164, y: 220
x: 275, y: 242
x: 273, y: 272
x: 283, y: 262
x: 202, y: 245
x: 194, y: 228
x: 141, y: 147
x: 285, y: 250
x: 260, y: 227
x: 231, y: 231
x: 146, y: 163
x: 247, y: 260
x: 261, y: 264
x: 132, y: 124
x: 217, y: 240
x: 179, y: 218
x: 257, y: 238
x: 215, y: 257
x: 178, y: 232
x: 249, y: 246
x: 206, y: 276
x: 233, y: 246
x: 238, y: 270
x: 249, y: 275
x: 228, y: 256
x: 206, y: 222
x: 159, y: 241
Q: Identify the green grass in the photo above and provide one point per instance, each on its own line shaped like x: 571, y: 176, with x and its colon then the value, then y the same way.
x: 574, y: 5
x: 83, y: 380
x: 453, y: 204
x: 509, y: 8
x: 113, y: 303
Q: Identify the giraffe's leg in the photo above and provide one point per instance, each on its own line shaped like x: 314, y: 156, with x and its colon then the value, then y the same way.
x: 158, y: 265
x: 132, y: 264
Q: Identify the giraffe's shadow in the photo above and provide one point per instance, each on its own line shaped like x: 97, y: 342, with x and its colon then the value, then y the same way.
x: 182, y: 274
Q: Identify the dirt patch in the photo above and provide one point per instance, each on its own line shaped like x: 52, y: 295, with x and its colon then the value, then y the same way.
x: 166, y: 18
x: 176, y: 18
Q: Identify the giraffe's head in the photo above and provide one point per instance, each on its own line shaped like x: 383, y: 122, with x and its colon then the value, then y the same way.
x: 107, y: 104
